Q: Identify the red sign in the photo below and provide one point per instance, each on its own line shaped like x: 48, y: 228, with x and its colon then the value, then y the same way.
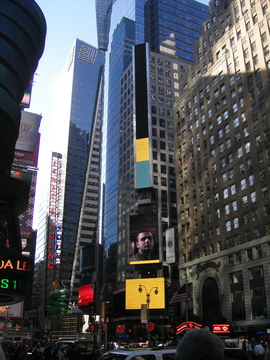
x: 221, y: 328
x: 85, y: 295
x: 120, y: 329
x: 187, y: 326
x: 150, y: 326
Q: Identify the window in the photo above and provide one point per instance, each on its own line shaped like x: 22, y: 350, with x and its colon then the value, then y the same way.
x: 236, y: 223
x: 228, y: 225
x: 233, y: 189
x: 234, y: 205
x: 253, y: 196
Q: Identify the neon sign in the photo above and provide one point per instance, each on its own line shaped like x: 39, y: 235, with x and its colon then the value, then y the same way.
x: 16, y: 273
x: 54, y: 240
x: 221, y: 328
x: 187, y: 326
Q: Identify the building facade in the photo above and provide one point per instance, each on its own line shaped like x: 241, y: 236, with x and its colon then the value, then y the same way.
x: 149, y: 48
x: 134, y: 23
x: 68, y: 216
x: 222, y: 169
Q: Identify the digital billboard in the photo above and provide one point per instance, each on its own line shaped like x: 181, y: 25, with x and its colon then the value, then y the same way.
x: 86, y: 295
x: 144, y: 239
x: 137, y: 290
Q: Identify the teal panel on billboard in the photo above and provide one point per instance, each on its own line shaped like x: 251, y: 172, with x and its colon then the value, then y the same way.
x: 142, y: 174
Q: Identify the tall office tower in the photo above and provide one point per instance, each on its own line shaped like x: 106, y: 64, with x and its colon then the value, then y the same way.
x: 222, y: 169
x: 68, y: 219
x: 134, y: 76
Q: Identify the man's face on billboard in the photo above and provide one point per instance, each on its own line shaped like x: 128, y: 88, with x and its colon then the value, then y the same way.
x: 145, y: 242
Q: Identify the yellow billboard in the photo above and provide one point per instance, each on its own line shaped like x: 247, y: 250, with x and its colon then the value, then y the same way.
x: 139, y: 290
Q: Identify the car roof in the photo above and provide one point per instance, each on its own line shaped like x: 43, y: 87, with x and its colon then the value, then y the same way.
x: 139, y: 351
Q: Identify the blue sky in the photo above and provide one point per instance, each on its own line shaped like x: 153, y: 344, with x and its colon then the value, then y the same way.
x: 66, y: 20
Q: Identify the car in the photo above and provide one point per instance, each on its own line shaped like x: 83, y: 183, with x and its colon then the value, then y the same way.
x: 165, y: 353
x: 235, y: 353
x: 155, y: 353
x: 84, y: 346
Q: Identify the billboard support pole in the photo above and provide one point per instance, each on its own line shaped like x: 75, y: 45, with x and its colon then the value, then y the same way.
x: 148, y: 303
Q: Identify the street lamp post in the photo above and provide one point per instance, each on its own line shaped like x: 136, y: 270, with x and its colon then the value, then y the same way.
x: 101, y: 298
x: 140, y: 289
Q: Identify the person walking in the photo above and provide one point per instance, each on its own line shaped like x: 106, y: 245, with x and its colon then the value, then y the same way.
x: 259, y: 351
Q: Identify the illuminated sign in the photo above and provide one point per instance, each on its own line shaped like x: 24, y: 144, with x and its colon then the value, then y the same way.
x: 86, y: 295
x: 54, y: 241
x: 139, y: 254
x: 120, y: 329
x: 221, y: 328
x: 187, y: 326
x: 16, y: 271
x: 25, y: 103
x: 135, y: 298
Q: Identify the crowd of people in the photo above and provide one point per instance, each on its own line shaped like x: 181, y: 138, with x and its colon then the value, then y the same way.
x: 50, y: 352
x: 198, y: 344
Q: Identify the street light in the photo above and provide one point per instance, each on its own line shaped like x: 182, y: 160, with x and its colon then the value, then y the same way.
x: 148, y: 303
x: 101, y: 289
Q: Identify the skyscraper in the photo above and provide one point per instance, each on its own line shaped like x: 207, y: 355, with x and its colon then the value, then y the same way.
x: 68, y: 218
x: 166, y: 27
x: 149, y: 48
x: 222, y: 169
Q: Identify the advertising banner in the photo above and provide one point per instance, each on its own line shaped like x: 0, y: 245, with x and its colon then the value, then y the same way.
x: 144, y: 239
x: 139, y: 290
x: 12, y: 311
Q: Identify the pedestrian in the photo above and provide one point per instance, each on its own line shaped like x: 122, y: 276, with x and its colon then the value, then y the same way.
x: 48, y: 352
x: 200, y: 344
x: 23, y: 354
x: 74, y: 352
x: 267, y: 352
x: 95, y: 353
x: 59, y: 353
x: 259, y: 351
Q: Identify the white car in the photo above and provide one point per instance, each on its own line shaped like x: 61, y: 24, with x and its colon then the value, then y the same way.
x: 142, y: 354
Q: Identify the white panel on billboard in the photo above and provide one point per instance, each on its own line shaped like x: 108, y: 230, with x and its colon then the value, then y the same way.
x: 170, y: 246
x: 12, y: 311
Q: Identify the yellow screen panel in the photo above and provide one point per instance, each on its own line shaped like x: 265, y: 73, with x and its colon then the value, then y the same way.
x: 135, y: 298
x: 142, y: 149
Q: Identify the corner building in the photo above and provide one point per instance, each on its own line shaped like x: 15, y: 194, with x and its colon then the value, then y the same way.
x: 222, y: 169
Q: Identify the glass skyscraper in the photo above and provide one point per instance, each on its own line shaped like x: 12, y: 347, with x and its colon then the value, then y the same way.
x: 169, y: 28
x: 75, y: 156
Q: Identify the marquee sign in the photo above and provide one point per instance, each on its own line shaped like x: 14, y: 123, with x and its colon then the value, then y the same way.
x: 54, y: 241
x: 16, y: 272
x: 221, y: 328
x: 187, y: 326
